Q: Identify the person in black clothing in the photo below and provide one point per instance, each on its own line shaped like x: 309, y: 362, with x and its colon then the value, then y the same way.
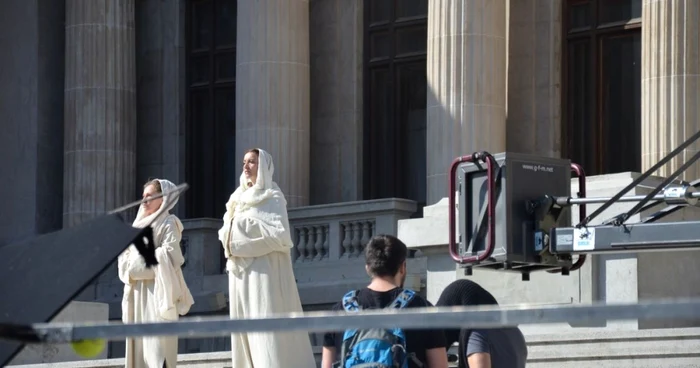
x: 385, y: 262
x: 482, y: 348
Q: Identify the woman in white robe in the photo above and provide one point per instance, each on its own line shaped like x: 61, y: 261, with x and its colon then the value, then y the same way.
x: 257, y: 244
x: 159, y: 293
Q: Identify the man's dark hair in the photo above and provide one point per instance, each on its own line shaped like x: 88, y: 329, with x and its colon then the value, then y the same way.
x: 384, y: 255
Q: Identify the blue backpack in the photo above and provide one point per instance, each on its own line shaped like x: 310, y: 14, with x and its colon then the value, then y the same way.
x: 376, y: 347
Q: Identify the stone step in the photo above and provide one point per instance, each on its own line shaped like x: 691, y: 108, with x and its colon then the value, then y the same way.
x: 603, y: 349
x: 616, y: 349
x: 219, y: 359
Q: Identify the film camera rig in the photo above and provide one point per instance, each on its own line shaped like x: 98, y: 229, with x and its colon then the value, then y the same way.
x: 514, y: 210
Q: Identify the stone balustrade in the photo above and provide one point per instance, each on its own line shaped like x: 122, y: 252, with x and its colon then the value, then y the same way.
x: 312, y: 241
x: 340, y: 230
x: 329, y: 242
x: 327, y: 257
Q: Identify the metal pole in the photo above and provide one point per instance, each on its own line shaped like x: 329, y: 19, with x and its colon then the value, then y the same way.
x: 567, y: 201
x: 413, y: 318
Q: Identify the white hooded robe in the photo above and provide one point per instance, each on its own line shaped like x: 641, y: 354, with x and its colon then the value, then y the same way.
x: 257, y: 244
x: 158, y: 293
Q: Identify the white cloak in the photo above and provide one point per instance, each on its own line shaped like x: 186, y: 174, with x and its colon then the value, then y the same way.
x: 257, y: 245
x: 155, y: 294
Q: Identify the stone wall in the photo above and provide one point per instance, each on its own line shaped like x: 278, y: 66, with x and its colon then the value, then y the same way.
x: 31, y: 106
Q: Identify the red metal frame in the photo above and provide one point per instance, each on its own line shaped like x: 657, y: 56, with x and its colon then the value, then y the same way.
x: 578, y: 169
x: 491, y: 207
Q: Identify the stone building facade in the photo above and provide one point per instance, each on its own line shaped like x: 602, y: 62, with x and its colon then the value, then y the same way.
x: 362, y: 103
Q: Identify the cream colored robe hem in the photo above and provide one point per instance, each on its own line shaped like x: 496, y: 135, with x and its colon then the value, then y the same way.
x: 144, y: 301
x: 255, y: 287
x: 261, y: 282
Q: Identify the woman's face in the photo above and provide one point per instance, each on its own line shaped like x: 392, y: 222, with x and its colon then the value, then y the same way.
x: 150, y: 206
x: 250, y: 166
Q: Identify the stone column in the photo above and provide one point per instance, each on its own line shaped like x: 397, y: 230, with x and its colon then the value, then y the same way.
x: 272, y: 89
x: 670, y: 82
x: 670, y: 115
x: 533, y: 124
x: 100, y: 108
x: 466, y: 65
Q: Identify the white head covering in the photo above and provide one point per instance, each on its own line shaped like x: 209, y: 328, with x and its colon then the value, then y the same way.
x: 166, y: 186
x: 264, y: 187
x: 266, y: 168
x: 246, y: 197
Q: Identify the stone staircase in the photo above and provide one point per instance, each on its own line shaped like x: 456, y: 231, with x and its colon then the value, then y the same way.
x: 616, y: 349
x: 219, y: 359
x: 601, y: 349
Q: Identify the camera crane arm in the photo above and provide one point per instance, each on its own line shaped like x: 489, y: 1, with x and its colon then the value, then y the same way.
x: 615, y: 237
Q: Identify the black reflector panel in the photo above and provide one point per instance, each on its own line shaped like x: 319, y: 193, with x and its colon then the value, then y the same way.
x: 39, y: 277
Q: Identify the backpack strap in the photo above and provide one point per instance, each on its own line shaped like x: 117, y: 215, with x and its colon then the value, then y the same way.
x: 350, y: 303
x: 403, y: 299
x: 415, y: 360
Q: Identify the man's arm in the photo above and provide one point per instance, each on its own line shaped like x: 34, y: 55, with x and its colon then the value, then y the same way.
x: 434, y: 342
x: 436, y: 358
x: 478, y: 352
x: 327, y: 357
x: 479, y: 360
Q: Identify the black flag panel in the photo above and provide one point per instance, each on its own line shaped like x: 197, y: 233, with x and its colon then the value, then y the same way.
x: 39, y: 277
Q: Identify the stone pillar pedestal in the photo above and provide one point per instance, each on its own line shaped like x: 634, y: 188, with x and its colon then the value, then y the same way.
x: 46, y: 354
x: 466, y: 70
x: 670, y: 82
x: 100, y: 108
x: 429, y: 235
x: 272, y: 89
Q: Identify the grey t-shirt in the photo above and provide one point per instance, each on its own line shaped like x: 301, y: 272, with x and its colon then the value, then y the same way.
x: 506, y: 346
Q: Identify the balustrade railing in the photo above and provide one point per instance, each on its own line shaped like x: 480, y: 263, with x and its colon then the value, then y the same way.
x: 341, y: 230
x: 328, y: 239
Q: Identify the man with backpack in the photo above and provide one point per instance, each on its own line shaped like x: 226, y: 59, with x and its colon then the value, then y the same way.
x: 385, y: 262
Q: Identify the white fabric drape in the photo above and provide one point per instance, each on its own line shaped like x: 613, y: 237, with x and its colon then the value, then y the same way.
x: 257, y: 243
x: 158, y: 293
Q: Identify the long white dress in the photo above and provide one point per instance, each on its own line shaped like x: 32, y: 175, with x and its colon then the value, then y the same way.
x: 257, y: 245
x: 154, y: 294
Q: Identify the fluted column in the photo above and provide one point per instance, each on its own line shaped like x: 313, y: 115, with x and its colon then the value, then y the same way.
x: 100, y: 108
x: 466, y: 65
x: 670, y: 82
x: 272, y: 89
x: 533, y: 123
